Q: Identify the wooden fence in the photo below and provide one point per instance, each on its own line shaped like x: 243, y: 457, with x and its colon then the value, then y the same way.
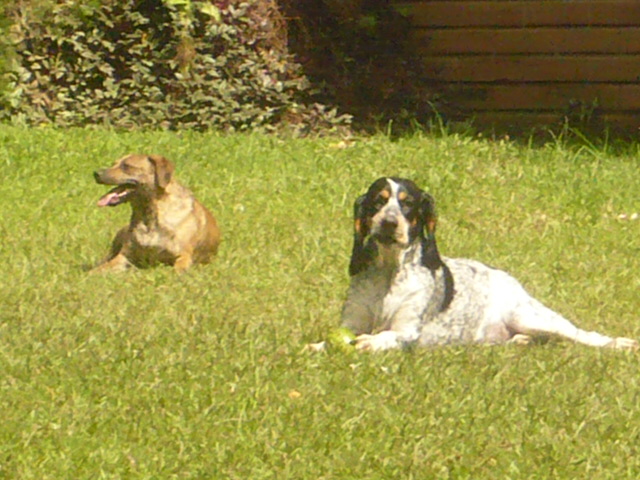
x: 528, y: 62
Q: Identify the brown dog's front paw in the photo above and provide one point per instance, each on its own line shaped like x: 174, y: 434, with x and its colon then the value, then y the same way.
x: 119, y: 263
x: 183, y: 263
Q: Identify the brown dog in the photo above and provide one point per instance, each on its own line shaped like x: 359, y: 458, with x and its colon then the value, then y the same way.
x: 168, y: 225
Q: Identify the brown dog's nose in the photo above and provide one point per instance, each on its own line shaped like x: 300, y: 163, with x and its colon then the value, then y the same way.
x: 97, y: 174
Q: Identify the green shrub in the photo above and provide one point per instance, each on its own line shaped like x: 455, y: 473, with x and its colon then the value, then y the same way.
x: 6, y: 51
x: 152, y: 63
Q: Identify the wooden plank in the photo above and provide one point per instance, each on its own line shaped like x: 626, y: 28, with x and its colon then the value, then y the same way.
x: 528, y: 40
x: 606, y: 97
x: 519, y: 122
x: 521, y: 13
x: 534, y: 68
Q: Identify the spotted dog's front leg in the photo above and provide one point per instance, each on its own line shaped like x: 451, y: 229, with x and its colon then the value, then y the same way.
x: 357, y: 317
x: 386, y: 340
x: 404, y: 330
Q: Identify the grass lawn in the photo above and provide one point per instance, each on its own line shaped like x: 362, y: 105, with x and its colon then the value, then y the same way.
x: 153, y: 375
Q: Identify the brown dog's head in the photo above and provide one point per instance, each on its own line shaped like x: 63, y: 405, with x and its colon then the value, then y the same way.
x: 142, y: 175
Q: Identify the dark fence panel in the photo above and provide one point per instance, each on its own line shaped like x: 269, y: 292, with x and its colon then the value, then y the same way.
x: 532, y: 61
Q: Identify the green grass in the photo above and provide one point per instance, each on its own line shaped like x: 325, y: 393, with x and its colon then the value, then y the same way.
x: 154, y: 375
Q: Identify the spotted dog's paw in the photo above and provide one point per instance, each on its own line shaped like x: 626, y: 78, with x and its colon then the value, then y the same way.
x: 380, y: 341
x: 622, y: 343
x: 520, y: 339
x: 315, y: 347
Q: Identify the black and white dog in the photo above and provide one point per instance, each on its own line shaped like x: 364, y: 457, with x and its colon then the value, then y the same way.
x: 403, y: 292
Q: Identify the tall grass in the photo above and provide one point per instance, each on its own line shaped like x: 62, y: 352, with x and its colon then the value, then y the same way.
x: 153, y: 375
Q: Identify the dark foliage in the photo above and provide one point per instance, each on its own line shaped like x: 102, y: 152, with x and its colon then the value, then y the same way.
x: 359, y: 54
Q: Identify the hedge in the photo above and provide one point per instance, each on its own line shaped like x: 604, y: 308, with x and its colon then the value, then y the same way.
x: 172, y: 64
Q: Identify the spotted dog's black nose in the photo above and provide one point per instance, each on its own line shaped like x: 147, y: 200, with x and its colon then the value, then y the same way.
x: 386, y: 231
x: 389, y: 225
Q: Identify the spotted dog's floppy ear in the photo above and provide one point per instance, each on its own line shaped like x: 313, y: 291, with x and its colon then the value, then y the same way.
x: 163, y: 170
x: 430, y: 256
x: 360, y: 255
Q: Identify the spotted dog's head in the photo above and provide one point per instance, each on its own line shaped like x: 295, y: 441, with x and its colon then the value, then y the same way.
x: 394, y: 213
x: 134, y: 176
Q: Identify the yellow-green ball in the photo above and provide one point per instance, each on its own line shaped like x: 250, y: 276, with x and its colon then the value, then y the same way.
x: 341, y: 338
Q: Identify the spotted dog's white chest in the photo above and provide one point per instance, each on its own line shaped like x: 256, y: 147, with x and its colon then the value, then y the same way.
x: 406, y: 298
x: 381, y: 299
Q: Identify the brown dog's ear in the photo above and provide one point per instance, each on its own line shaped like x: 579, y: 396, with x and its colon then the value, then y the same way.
x: 163, y: 170
x: 360, y: 255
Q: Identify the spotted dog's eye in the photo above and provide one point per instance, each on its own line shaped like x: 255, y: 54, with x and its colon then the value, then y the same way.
x: 407, y: 204
x: 379, y: 202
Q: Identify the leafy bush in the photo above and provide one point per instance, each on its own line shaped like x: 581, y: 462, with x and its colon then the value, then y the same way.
x: 154, y: 63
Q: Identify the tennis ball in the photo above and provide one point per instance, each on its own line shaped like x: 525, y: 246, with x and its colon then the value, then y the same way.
x: 341, y: 338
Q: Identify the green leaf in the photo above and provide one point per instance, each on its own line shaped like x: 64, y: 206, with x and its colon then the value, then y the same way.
x: 178, y: 3
x: 211, y: 10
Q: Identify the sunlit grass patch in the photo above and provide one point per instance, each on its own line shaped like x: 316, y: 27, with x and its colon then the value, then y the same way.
x: 153, y: 375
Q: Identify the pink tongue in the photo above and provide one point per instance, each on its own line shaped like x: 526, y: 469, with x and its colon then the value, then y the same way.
x: 111, y: 198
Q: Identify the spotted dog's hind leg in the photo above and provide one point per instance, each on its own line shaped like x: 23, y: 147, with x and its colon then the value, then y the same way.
x: 532, y: 318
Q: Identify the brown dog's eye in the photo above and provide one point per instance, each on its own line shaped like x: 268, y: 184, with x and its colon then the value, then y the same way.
x: 126, y: 168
